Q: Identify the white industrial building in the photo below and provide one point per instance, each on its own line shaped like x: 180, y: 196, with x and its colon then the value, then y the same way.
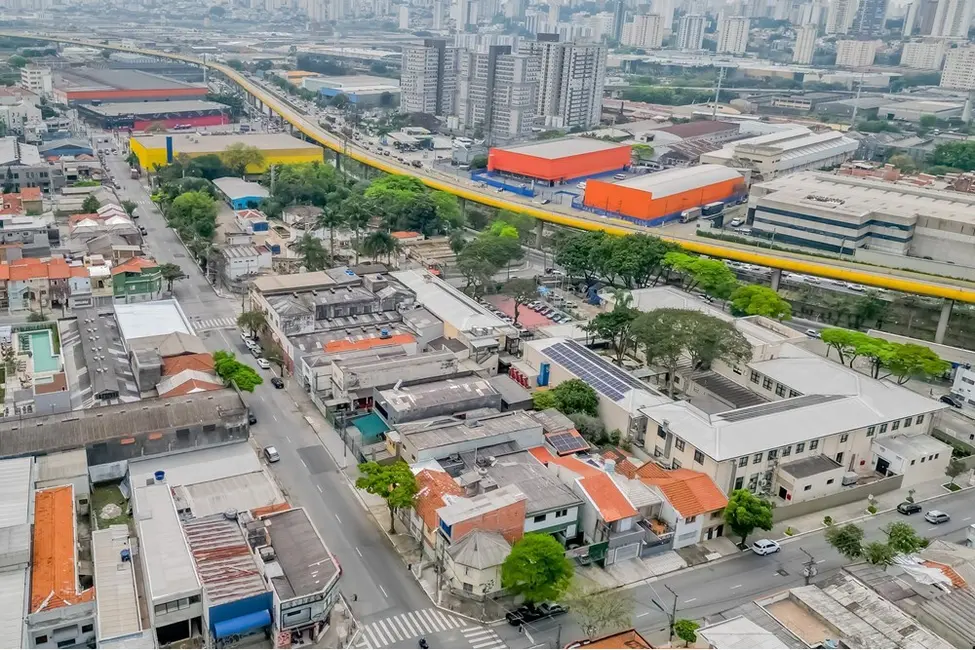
x: 913, y: 111
x: 844, y: 213
x: 733, y: 35
x: 785, y: 152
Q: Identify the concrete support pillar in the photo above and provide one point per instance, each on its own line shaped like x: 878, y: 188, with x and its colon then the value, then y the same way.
x: 776, y: 278
x: 539, y: 233
x: 338, y: 161
x: 939, y: 335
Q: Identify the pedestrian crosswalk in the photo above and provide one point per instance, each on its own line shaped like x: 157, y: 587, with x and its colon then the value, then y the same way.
x: 411, y: 625
x: 205, y: 324
x: 482, y: 638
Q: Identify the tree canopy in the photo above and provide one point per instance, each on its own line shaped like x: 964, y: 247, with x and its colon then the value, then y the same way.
x: 759, y: 300
x: 239, y: 156
x: 575, y: 396
x: 253, y: 321
x: 395, y: 483
x: 228, y: 368
x: 629, y: 262
x: 312, y: 252
x: 958, y: 154
x: 616, y: 325
x: 903, y: 361
x: 599, y: 611
x: 747, y: 512
x: 537, y: 569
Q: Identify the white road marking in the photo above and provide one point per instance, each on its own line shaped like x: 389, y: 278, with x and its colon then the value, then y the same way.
x: 966, y: 518
x: 817, y: 562
x: 274, y: 417
x: 319, y: 489
x: 380, y: 586
x: 358, y: 551
x: 736, y: 587
x: 933, y: 528
x: 400, y: 627
x: 340, y: 521
x: 690, y: 600
x: 388, y: 631
x: 288, y: 439
x: 404, y: 620
x: 303, y: 462
x: 374, y: 641
x: 643, y: 614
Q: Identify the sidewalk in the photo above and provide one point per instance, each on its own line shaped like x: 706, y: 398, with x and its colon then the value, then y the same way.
x: 629, y: 572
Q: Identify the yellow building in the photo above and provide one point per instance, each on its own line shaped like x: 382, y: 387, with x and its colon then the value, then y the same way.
x: 278, y: 148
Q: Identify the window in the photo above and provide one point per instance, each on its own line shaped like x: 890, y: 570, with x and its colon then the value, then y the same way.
x: 830, y: 481
x: 793, y: 393
x: 780, y: 390
x: 922, y: 459
x: 679, y: 444
x: 773, y: 454
x: 813, y: 445
x: 40, y: 639
x: 757, y: 458
x: 907, y: 422
x: 207, y: 428
x: 931, y: 457
x: 690, y: 520
x: 870, y: 430
x: 699, y: 457
x: 657, y: 451
x: 895, y: 425
x: 801, y: 447
x: 807, y: 488
x: 919, y: 419
x: 739, y: 482
x: 736, y: 369
x: 87, y: 628
x: 883, y: 428
x: 743, y: 461
x: 844, y: 437
x: 936, y: 455
x: 839, y: 457
x: 562, y: 513
x: 787, y: 451
x: 968, y: 380
x: 675, y: 464
x: 67, y: 643
x: 754, y: 376
x: 767, y: 383
x: 913, y: 461
x: 540, y: 518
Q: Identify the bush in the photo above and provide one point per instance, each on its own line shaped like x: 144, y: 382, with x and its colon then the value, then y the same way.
x: 789, y: 531
x: 872, y: 509
x: 827, y: 521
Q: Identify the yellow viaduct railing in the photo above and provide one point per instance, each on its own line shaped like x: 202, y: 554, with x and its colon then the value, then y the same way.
x: 903, y: 281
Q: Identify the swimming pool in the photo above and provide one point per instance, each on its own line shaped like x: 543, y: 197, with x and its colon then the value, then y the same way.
x: 42, y: 349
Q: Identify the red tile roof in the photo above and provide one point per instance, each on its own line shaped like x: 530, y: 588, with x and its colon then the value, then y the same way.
x: 54, y: 581
x: 28, y: 268
x: 627, y: 639
x: 346, y: 345
x: 11, y: 204
x: 177, y: 364
x: 134, y: 265
x: 574, y: 464
x: 57, y: 269
x: 405, y: 234
x: 79, y: 271
x: 192, y: 386
x: 623, y: 464
x: 604, y: 493
x: 433, y: 486
x: 75, y: 218
x: 690, y: 493
x: 30, y: 194
x: 956, y: 580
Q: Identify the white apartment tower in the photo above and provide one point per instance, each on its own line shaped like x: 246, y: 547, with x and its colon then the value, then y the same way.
x: 428, y: 78
x: 840, y: 16
x: 959, y: 70
x: 856, y: 54
x: 646, y: 32
x: 496, y: 93
x: 664, y: 9
x: 953, y: 18
x: 923, y: 55
x: 805, y: 47
x: 571, y: 81
x: 404, y: 17
x: 36, y: 79
x: 733, y: 35
x: 690, y: 32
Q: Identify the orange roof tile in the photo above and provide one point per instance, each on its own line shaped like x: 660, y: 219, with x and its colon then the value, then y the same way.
x: 192, y: 386
x: 79, y: 271
x: 574, y: 464
x: 30, y: 194
x: 404, y: 234
x: 134, y: 265
x: 260, y: 511
x: 57, y: 269
x: 432, y: 487
x: 177, y: 364
x: 75, y: 218
x: 4, y: 271
x: 956, y: 580
x: 690, y: 493
x: 627, y: 639
x: 346, y: 345
x: 11, y: 204
x: 28, y: 268
x: 651, y: 470
x: 611, y: 503
x: 54, y: 582
x: 623, y: 464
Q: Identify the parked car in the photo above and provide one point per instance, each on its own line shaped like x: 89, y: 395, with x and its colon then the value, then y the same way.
x: 936, y: 517
x: 620, y: 177
x: 952, y: 400
x: 251, y: 418
x: 765, y: 547
x: 735, y: 223
x: 271, y: 454
x: 908, y: 508
x: 530, y: 614
x: 277, y: 382
x: 813, y: 333
x: 143, y: 231
x: 263, y: 364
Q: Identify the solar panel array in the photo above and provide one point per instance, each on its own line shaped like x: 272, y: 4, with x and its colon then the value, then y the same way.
x: 779, y: 406
x: 593, y: 369
x: 567, y: 443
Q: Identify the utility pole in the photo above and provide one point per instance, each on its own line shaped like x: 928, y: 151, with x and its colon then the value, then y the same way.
x: 717, y: 95
x: 856, y: 103
x: 809, y: 569
x: 673, y: 611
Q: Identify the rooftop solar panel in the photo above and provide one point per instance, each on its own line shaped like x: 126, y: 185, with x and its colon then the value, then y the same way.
x: 779, y: 406
x: 593, y: 369
x: 567, y: 443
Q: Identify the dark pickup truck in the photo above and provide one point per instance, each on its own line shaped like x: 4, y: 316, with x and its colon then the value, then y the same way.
x: 530, y: 614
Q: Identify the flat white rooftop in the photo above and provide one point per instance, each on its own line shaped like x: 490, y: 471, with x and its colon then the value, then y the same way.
x: 554, y: 149
x: 156, y: 318
x: 170, y: 573
x: 675, y: 181
x: 117, y: 602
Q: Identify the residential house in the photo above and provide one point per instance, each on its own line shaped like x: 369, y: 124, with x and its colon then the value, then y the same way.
x: 473, y: 563
x: 21, y: 166
x: 34, y: 285
x: 501, y: 511
x: 433, y: 488
x: 138, y: 279
x: 693, y: 506
x: 243, y: 261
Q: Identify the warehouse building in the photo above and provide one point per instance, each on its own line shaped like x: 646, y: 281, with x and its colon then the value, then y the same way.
x: 139, y: 116
x: 560, y: 161
x: 785, y: 152
x: 913, y: 111
x: 92, y: 85
x: 362, y: 90
x: 845, y: 214
x: 278, y: 148
x: 653, y: 199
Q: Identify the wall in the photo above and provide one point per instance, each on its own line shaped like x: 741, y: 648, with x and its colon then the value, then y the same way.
x: 203, y: 120
x: 685, y: 533
x: 62, y: 625
x: 508, y: 520
x: 481, y: 580
x: 639, y: 204
x: 148, y: 157
x: 241, y: 607
x: 569, y: 520
x: 818, y: 484
x: 915, y: 468
x: 923, y: 246
x: 848, y: 495
x: 559, y: 170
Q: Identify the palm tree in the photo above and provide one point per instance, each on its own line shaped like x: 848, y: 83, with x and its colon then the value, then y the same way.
x: 331, y: 218
x: 380, y: 243
x: 357, y: 211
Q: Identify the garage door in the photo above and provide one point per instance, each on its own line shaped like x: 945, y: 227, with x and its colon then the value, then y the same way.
x: 627, y: 552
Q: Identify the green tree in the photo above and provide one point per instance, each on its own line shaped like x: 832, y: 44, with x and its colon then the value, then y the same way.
x: 903, y: 538
x: 616, y: 326
x: 537, y: 569
x: 479, y: 162
x: 642, y: 152
x: 313, y: 254
x: 253, y: 321
x: 843, y: 341
x: 379, y: 244
x: 589, y: 427
x: 36, y: 317
x: 477, y: 271
x: 747, y: 512
x: 904, y: 163
x: 331, y: 219
x: 709, y: 339
x: 522, y: 291
x: 879, y: 553
x: 957, y: 154
x: 129, y: 207
x: 544, y: 399
x: 758, y: 300
x: 228, y: 368
x: 193, y: 214
x: 339, y: 101
x: 928, y: 121
x: 909, y: 361
x: 847, y: 540
x: 395, y: 483
x: 356, y: 213
x: 955, y: 467
x: 576, y: 396
x: 448, y: 209
x: 17, y: 61
x: 209, y: 166
x: 132, y: 160
x: 661, y: 335
x: 236, y: 64
x: 239, y: 156
x: 90, y: 204
x: 597, y: 610
x: 171, y: 273
x: 686, y: 630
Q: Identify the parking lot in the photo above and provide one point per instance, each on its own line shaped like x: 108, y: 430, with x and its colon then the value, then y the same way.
x: 535, y: 314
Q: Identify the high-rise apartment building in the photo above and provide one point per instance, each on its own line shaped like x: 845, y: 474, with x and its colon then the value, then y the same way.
x: 733, y: 35
x: 496, y: 93
x: 36, y: 79
x: 438, y: 9
x: 869, y: 18
x: 923, y: 55
x: 571, y: 81
x: 959, y: 70
x: 805, y: 47
x: 404, y: 17
x: 839, y: 19
x: 856, y: 54
x: 428, y: 77
x: 953, y: 18
x: 665, y: 9
x: 646, y: 32
x: 690, y: 32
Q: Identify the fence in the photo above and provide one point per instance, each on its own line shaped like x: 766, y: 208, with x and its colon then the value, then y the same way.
x: 845, y: 496
x: 495, y: 181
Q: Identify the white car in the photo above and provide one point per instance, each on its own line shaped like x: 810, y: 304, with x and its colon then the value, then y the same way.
x: 735, y: 223
x: 765, y: 547
x: 813, y: 333
x: 264, y: 364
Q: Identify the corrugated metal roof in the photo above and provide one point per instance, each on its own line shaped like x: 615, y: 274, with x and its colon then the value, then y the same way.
x: 13, y: 592
x: 223, y: 559
x: 675, y: 181
x: 563, y: 148
x: 170, y: 572
x: 15, y: 490
x: 117, y: 601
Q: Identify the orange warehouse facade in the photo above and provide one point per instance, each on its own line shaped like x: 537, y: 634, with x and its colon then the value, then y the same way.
x: 559, y: 169
x: 641, y: 206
